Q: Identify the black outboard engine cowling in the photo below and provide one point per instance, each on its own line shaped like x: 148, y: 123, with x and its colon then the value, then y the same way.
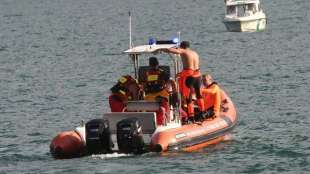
x: 130, y: 136
x: 98, y: 137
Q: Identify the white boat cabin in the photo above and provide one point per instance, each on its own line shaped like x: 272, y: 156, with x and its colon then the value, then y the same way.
x: 242, y: 8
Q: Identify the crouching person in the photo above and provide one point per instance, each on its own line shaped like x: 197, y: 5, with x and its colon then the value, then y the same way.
x: 126, y: 89
x: 211, y: 93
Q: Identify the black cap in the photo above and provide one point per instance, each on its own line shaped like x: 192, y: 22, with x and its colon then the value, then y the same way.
x: 153, y: 61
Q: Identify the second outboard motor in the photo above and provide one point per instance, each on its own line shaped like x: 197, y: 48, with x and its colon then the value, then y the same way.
x: 130, y: 136
x: 98, y: 137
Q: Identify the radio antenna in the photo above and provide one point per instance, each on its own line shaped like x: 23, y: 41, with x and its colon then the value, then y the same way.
x: 179, y: 37
x: 130, y: 40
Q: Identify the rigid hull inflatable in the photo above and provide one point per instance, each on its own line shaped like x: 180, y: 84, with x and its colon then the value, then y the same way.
x: 188, y: 137
x: 135, y: 129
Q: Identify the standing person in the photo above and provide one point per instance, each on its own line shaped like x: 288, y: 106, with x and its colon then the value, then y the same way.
x: 211, y: 93
x: 190, y: 61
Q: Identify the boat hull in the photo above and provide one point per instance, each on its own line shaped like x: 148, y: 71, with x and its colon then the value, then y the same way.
x: 194, y: 136
x: 68, y: 144
x: 188, y: 138
x: 245, y: 25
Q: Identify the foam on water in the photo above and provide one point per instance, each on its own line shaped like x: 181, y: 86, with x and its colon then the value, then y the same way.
x: 112, y: 155
x: 228, y: 137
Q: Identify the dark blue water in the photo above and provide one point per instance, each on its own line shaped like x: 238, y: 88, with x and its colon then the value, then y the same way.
x: 58, y: 60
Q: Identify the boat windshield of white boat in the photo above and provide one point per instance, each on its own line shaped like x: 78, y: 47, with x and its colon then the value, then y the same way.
x: 242, y: 8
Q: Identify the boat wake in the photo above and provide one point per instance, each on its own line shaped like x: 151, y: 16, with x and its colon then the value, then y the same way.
x: 111, y: 155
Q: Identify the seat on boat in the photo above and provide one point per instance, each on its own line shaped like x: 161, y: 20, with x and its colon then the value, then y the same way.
x: 143, y: 69
x: 147, y: 119
x: 160, y: 108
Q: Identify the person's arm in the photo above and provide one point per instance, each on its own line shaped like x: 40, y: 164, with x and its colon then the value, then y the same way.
x: 175, y: 50
x: 171, y: 50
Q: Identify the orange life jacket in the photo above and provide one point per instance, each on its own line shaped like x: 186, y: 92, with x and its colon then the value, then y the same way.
x: 212, y: 97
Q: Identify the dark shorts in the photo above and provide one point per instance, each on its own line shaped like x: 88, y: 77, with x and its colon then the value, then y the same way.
x: 194, y: 82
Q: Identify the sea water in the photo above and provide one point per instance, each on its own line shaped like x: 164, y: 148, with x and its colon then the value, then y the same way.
x: 58, y: 60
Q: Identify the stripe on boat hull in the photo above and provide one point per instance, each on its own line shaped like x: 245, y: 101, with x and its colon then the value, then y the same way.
x: 204, y: 138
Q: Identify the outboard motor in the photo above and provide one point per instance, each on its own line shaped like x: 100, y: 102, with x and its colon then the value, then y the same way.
x: 98, y: 137
x: 130, y: 136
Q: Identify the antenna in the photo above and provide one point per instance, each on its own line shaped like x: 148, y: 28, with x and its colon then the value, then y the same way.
x: 179, y: 37
x: 130, y: 41
x: 133, y: 57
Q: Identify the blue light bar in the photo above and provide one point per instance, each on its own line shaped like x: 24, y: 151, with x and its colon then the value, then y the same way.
x: 175, y: 40
x: 152, y: 41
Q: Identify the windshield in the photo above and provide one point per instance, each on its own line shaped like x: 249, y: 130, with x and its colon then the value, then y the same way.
x: 164, y: 60
x: 245, y: 10
x: 241, y: 10
x: 231, y: 10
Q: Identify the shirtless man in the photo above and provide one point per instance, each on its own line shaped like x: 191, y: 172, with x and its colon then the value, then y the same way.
x: 190, y: 58
x: 190, y: 61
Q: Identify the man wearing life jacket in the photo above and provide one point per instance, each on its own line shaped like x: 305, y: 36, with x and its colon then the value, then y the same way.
x: 211, y: 93
x: 155, y: 81
x: 155, y: 88
x: 190, y: 61
x: 126, y: 89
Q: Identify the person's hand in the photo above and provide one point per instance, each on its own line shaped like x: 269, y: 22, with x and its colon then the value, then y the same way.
x: 141, y: 87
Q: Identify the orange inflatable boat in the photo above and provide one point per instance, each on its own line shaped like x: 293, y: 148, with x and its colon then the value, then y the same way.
x: 135, y: 129
x: 137, y: 132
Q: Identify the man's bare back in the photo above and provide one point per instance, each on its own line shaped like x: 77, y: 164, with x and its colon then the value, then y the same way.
x: 190, y: 58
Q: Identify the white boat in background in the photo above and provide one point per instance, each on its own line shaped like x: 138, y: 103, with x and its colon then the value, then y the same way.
x: 244, y: 15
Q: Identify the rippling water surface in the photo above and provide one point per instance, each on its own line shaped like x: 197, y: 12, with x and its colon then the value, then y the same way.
x: 58, y: 60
